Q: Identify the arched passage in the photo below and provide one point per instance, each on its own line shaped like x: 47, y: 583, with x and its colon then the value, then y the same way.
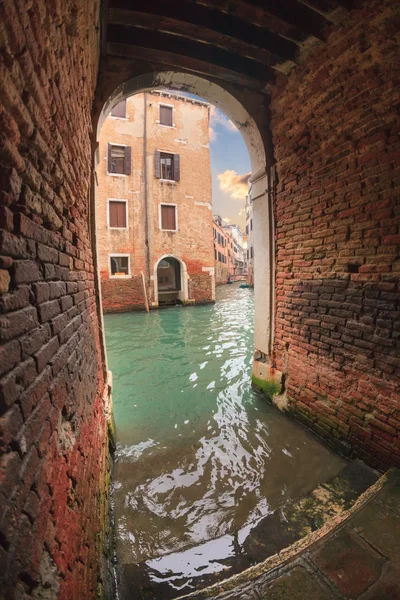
x: 257, y: 142
x: 170, y: 280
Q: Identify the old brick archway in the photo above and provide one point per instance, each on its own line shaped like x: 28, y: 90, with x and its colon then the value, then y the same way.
x: 320, y: 80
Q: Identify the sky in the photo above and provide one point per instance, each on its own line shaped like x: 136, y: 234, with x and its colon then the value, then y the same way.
x: 230, y: 168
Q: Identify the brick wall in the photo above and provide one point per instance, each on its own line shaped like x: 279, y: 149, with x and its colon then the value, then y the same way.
x: 122, y: 295
x: 52, y: 423
x: 336, y: 140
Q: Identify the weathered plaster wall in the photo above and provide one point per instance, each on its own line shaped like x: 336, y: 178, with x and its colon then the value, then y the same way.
x: 335, y: 130
x: 53, y: 438
x: 192, y: 243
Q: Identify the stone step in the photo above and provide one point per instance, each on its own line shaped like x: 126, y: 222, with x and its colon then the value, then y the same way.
x: 296, y: 520
x: 177, y: 574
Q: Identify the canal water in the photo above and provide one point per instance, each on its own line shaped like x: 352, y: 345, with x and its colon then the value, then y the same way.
x: 201, y: 457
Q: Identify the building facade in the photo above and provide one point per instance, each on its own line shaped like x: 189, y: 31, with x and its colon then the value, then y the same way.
x: 154, y: 213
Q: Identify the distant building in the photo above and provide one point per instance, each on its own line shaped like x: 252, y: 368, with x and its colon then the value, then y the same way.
x: 154, y: 212
x: 250, y: 241
x: 221, y: 252
x: 236, y: 248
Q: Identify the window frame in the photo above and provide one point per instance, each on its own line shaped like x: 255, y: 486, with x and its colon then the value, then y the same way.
x: 119, y: 255
x: 171, y: 155
x: 158, y: 121
x: 107, y: 165
x: 160, y: 216
x: 176, y: 165
x: 126, y: 213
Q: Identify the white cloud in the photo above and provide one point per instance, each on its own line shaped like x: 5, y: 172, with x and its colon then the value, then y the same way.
x: 218, y: 118
x: 227, y: 220
x: 234, y: 184
x: 212, y: 134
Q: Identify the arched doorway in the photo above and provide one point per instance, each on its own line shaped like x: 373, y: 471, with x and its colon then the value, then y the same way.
x: 170, y: 281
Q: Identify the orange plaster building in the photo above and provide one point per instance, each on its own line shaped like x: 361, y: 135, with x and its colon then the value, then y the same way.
x: 153, y: 210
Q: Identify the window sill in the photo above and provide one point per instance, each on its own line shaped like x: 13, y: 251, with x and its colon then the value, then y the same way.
x: 117, y: 174
x: 118, y: 228
x: 120, y: 276
x: 163, y: 125
x: 169, y: 230
x: 121, y: 118
x: 168, y: 181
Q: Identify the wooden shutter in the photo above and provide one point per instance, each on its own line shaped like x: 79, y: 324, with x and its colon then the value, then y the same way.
x: 109, y: 158
x: 127, y: 161
x: 157, y: 164
x: 121, y: 207
x: 168, y: 220
x: 166, y: 115
x: 119, y: 110
x: 117, y: 214
x: 177, y: 167
x: 113, y: 214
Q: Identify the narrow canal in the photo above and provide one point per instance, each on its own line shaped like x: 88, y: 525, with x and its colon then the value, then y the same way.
x: 201, y: 457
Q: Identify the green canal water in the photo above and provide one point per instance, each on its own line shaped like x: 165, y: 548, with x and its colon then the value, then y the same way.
x: 201, y: 457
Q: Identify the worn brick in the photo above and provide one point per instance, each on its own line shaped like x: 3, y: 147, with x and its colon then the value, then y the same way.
x: 34, y: 340
x: 45, y: 353
x: 14, y: 300
x: 10, y: 355
x: 47, y: 254
x: 12, y: 384
x: 25, y: 271
x: 48, y: 310
x: 18, y: 322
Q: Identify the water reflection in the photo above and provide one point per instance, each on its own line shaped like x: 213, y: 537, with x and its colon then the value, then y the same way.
x: 201, y: 457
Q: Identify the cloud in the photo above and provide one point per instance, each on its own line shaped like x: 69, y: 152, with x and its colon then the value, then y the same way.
x: 234, y: 184
x: 227, y: 220
x: 218, y: 118
x: 212, y: 134
x: 242, y: 212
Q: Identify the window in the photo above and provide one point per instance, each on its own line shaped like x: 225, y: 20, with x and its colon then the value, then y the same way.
x: 168, y: 217
x: 215, y: 253
x: 167, y: 166
x: 166, y: 115
x: 117, y: 213
x: 247, y: 230
x: 119, y: 265
x: 247, y: 254
x: 119, y: 110
x: 119, y: 159
x: 251, y: 224
x: 229, y: 252
x: 251, y: 252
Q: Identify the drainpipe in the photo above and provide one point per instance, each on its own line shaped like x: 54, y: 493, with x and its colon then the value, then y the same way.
x: 146, y: 195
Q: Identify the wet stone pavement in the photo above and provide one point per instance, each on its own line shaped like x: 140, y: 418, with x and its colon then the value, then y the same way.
x: 358, y: 560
